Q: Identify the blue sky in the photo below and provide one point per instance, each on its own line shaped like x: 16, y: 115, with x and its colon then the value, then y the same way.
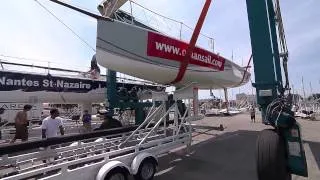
x: 27, y: 30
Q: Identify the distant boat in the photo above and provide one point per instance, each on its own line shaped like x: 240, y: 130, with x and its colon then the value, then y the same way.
x: 218, y: 112
x: 212, y: 112
x: 230, y: 111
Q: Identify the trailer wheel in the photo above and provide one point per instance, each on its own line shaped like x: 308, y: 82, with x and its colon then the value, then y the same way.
x: 117, y: 174
x: 147, y: 169
x: 271, y: 157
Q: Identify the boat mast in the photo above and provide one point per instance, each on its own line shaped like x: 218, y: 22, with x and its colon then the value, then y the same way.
x: 79, y: 10
x: 304, y: 94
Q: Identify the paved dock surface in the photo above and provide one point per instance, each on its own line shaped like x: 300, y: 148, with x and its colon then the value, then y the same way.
x: 230, y: 154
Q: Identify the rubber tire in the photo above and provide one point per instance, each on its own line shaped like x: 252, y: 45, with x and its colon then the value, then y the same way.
x: 115, y: 171
x: 271, y: 157
x: 138, y: 176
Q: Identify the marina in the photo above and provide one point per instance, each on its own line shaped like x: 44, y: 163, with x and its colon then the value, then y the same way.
x: 157, y: 101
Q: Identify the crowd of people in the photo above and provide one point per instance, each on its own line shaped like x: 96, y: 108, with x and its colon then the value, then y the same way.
x: 52, y: 126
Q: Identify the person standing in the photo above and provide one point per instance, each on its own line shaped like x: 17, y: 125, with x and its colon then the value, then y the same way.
x: 109, y: 122
x: 86, y: 120
x: 52, y: 124
x: 1, y: 112
x: 21, y: 124
x: 1, y: 123
x: 94, y: 71
x: 252, y: 114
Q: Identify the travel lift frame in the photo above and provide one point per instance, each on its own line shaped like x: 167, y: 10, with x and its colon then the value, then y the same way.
x: 115, y: 100
x: 280, y: 151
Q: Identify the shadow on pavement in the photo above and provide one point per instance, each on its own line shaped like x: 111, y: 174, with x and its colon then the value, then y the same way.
x: 208, y: 128
x: 199, y: 130
x: 315, y: 149
x: 228, y: 156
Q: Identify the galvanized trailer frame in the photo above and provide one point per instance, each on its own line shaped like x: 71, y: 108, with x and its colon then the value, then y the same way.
x: 96, y: 158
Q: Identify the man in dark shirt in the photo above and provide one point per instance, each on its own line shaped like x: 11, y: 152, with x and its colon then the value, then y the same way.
x: 1, y: 123
x: 109, y: 122
x: 94, y: 69
x: 1, y: 112
x: 252, y: 113
x: 86, y: 120
x: 21, y: 123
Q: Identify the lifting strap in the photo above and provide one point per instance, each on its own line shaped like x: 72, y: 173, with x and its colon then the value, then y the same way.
x: 193, y: 41
x: 244, y: 72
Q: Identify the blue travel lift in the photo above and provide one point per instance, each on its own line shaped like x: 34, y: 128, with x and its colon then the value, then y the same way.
x: 280, y: 151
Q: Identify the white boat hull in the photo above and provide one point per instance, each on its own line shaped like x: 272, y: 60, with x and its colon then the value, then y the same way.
x: 126, y: 48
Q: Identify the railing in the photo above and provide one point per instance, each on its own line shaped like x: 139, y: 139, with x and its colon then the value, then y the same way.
x: 166, y: 25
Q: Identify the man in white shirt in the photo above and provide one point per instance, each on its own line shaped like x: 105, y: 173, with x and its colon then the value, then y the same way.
x: 52, y: 124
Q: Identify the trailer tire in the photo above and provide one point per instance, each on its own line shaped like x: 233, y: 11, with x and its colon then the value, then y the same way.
x: 271, y: 157
x: 117, y: 174
x: 147, y: 169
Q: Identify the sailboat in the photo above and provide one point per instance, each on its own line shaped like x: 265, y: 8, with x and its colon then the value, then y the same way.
x: 140, y: 51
